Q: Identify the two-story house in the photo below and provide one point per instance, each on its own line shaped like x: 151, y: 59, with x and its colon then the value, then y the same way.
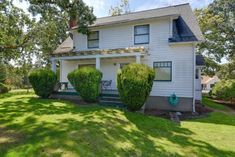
x: 163, y: 38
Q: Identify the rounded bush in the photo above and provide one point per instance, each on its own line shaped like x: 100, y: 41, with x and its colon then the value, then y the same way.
x: 86, y: 82
x: 224, y: 90
x: 3, y: 88
x: 43, y: 82
x: 134, y: 84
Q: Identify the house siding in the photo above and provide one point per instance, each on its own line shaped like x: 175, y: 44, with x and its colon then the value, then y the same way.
x: 159, y: 50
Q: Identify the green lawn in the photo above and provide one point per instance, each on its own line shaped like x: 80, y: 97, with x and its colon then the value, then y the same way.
x: 214, y: 105
x: 30, y: 126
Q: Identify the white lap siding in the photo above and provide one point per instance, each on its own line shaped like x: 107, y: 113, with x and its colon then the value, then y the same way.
x: 181, y: 55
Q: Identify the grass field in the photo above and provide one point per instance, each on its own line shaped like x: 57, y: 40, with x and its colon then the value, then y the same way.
x: 30, y: 126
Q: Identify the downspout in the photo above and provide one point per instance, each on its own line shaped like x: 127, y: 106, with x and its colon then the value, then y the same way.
x: 194, y: 70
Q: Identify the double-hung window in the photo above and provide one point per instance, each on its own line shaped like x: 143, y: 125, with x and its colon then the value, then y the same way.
x: 163, y: 71
x: 141, y: 34
x: 93, y: 40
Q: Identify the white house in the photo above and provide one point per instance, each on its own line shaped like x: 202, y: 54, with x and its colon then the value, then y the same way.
x: 208, y: 83
x: 163, y: 38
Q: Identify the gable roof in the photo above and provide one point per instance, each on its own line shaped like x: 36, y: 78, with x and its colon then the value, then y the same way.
x: 207, y: 79
x: 65, y: 47
x: 183, y: 10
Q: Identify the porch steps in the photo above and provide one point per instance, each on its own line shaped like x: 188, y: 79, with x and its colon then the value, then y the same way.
x: 112, y: 100
x: 174, y: 117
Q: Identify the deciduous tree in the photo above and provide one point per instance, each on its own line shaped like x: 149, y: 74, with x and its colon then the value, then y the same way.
x: 122, y: 8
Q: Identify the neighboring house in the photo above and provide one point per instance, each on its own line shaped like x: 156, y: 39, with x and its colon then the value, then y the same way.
x: 208, y: 83
x: 164, y: 39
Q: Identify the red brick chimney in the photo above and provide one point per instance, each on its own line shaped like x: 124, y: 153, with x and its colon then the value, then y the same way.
x: 72, y: 23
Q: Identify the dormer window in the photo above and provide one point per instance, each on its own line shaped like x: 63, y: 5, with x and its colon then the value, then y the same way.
x: 93, y: 40
x: 141, y: 34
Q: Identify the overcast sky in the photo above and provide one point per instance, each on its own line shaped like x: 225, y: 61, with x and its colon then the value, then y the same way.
x: 101, y: 7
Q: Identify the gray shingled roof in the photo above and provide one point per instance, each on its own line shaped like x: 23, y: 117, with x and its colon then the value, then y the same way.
x: 183, y: 10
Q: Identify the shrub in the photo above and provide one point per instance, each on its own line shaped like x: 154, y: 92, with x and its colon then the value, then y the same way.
x: 43, y: 82
x: 86, y: 82
x: 134, y: 84
x: 2, y: 73
x: 224, y: 90
x: 3, y: 88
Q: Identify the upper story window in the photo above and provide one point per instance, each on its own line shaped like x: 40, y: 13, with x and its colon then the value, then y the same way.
x: 93, y: 40
x: 163, y: 71
x: 141, y: 34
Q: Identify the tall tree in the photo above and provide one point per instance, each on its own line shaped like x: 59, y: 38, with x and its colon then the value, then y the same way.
x: 122, y: 8
x: 20, y: 35
x: 211, y: 67
x: 13, y: 34
x: 55, y: 16
x: 218, y: 26
x: 227, y: 70
x: 65, y: 9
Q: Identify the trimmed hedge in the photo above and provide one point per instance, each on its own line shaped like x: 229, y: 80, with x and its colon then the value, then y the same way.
x: 3, y: 88
x: 134, y: 84
x: 224, y: 90
x: 86, y: 82
x: 43, y: 82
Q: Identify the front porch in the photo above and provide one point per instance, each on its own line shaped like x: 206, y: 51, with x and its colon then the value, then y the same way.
x: 107, y: 61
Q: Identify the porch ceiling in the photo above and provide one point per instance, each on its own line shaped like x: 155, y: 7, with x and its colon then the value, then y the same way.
x: 128, y: 50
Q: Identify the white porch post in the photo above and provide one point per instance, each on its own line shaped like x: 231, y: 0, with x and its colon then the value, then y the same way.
x: 138, y: 59
x: 97, y: 63
x: 53, y: 65
x: 61, y: 69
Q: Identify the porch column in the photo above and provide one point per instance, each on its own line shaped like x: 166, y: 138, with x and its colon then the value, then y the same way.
x: 53, y: 65
x: 61, y: 70
x: 97, y: 61
x: 138, y: 59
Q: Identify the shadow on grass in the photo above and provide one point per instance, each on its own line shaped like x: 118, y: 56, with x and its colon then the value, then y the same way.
x: 218, y: 118
x: 176, y: 135
x: 31, y: 126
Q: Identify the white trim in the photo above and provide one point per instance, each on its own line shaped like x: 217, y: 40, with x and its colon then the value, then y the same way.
x: 53, y: 65
x: 171, y: 28
x: 61, y: 65
x: 200, y: 66
x: 97, y: 63
x: 138, y: 59
x: 183, y: 42
x: 95, y: 56
x: 194, y: 72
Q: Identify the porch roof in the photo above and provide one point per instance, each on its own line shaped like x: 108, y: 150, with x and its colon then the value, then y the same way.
x: 121, y: 51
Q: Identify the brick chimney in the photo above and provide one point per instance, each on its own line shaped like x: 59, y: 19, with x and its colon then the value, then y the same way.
x: 72, y: 23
